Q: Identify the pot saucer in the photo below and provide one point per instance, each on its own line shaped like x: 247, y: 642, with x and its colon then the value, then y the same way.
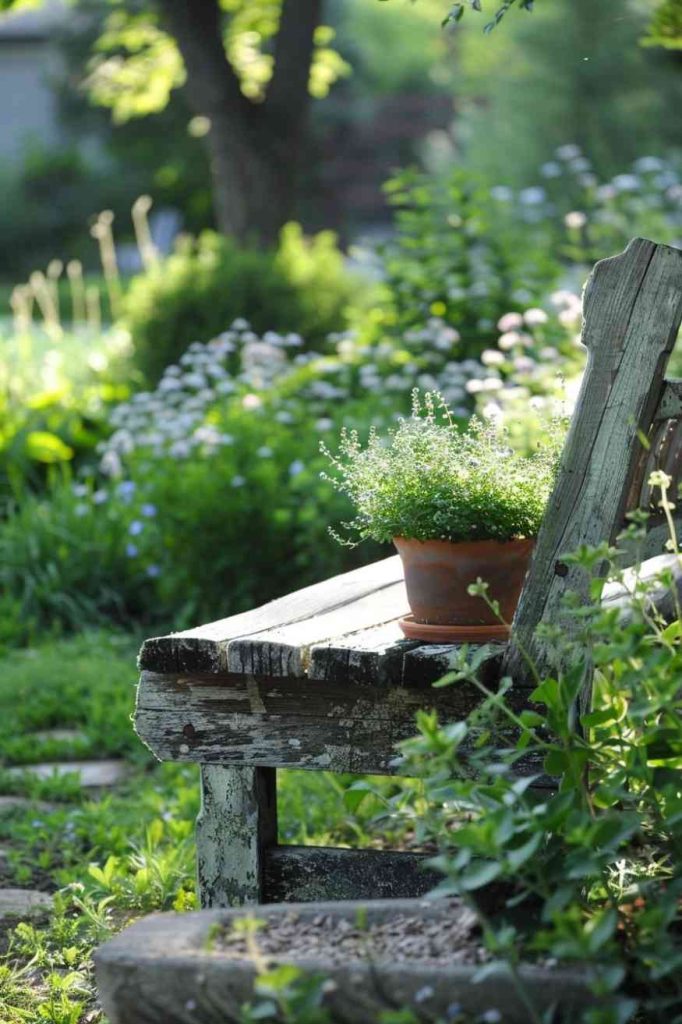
x: 452, y: 634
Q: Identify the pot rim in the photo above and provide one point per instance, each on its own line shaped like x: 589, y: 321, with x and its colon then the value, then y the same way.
x: 478, y: 542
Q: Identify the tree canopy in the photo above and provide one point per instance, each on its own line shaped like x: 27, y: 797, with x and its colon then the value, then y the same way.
x: 248, y: 69
x: 665, y: 27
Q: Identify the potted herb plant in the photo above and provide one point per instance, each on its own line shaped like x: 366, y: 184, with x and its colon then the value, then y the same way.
x: 459, y: 505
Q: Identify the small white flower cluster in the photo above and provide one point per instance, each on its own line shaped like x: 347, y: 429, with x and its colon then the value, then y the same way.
x: 434, y: 334
x: 171, y: 420
x: 530, y: 369
x: 575, y: 220
x: 177, y: 419
x: 569, y: 308
x: 653, y: 185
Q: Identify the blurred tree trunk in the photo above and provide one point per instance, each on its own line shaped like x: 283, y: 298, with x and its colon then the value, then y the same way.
x: 255, y: 148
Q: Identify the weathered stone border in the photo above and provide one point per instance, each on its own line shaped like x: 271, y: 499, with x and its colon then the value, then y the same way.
x: 162, y: 970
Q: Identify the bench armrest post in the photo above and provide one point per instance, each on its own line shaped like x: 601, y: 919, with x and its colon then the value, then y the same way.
x: 632, y: 309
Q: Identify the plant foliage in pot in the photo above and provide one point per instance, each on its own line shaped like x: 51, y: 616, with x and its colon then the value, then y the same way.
x: 459, y: 505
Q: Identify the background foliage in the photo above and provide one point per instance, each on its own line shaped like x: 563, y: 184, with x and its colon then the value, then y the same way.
x: 160, y: 463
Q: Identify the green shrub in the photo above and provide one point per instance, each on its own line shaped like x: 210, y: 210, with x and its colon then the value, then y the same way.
x: 468, y: 253
x: 63, y: 563
x: 589, y: 872
x: 235, y: 530
x: 54, y: 401
x: 433, y: 481
x: 198, y: 291
x: 208, y: 500
x: 461, y: 255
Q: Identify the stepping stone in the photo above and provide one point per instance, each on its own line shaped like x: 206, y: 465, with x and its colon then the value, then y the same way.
x: 59, y: 736
x: 23, y: 903
x: 92, y: 774
x: 13, y: 803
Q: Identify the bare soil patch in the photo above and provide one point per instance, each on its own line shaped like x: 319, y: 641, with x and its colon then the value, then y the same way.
x: 403, y: 938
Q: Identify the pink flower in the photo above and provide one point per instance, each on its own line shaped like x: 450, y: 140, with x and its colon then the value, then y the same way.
x: 509, y: 322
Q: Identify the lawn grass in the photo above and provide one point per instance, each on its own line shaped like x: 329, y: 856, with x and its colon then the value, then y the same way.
x: 131, y: 851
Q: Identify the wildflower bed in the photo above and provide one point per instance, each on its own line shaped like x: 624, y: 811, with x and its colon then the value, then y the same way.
x: 236, y: 424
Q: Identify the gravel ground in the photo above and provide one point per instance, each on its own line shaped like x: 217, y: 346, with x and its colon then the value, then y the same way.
x: 432, y: 941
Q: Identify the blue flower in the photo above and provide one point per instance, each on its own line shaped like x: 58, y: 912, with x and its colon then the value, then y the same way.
x: 126, y: 489
x: 533, y: 195
x: 153, y: 571
x: 131, y: 550
x: 148, y: 509
x: 135, y: 528
x: 550, y: 170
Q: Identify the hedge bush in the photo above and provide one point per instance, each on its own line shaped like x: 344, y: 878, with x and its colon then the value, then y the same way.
x: 303, y: 287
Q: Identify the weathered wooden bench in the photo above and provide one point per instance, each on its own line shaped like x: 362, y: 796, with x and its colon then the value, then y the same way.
x: 323, y: 680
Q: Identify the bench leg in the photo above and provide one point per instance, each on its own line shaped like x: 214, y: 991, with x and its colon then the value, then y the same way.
x: 237, y: 821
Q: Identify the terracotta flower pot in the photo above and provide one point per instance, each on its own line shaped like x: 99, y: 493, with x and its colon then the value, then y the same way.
x: 437, y: 575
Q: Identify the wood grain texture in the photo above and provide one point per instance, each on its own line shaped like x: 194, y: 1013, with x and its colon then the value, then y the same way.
x: 236, y: 823
x: 347, y: 718
x: 238, y: 720
x: 373, y: 657
x: 632, y: 311
x: 353, y: 636
x: 285, y: 650
x: 206, y: 649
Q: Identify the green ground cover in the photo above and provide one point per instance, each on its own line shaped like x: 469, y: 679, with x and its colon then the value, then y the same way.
x: 122, y: 853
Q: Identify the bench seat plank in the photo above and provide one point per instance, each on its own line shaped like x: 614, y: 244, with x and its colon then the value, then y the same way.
x: 206, y: 649
x: 374, y: 656
x: 284, y: 651
x: 345, y: 629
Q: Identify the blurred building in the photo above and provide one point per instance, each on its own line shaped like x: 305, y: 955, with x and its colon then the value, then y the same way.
x: 28, y: 61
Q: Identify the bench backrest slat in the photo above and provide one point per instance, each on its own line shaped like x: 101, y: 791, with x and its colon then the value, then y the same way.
x: 632, y: 310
